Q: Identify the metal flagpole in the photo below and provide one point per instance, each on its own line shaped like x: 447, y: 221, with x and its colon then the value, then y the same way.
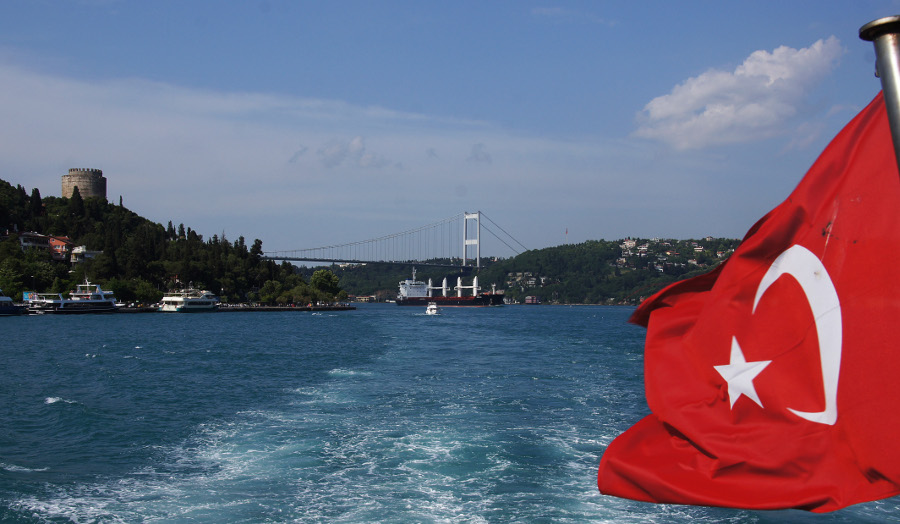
x: 885, y: 33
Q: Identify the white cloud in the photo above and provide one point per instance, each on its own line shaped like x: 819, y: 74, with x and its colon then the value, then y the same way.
x: 263, y: 165
x: 333, y: 154
x: 234, y: 160
x: 755, y: 101
x: 354, y: 152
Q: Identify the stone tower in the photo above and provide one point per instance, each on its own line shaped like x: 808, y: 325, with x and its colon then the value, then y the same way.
x: 90, y: 183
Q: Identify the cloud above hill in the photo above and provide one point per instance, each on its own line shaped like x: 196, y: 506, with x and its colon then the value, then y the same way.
x: 755, y: 101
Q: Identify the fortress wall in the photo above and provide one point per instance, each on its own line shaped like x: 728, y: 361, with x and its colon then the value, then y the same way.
x: 90, y: 183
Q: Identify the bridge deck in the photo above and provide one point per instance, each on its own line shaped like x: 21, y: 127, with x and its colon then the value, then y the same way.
x: 345, y: 261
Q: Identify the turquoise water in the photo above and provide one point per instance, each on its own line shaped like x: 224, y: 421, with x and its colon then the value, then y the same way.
x: 382, y: 414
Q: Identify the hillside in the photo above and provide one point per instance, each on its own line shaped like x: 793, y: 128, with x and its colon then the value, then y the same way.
x: 593, y: 272
x: 136, y: 258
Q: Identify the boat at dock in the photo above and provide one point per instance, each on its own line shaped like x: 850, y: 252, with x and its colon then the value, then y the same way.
x: 417, y: 293
x: 87, y: 298
x: 8, y: 307
x: 189, y: 301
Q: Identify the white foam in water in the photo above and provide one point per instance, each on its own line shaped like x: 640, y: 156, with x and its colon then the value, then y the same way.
x: 414, y: 434
x: 349, y: 372
x: 215, y: 474
x: 54, y: 400
x: 20, y: 469
x: 268, y: 466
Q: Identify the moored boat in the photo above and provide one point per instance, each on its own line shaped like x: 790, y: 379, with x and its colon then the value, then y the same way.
x: 87, y: 298
x: 189, y: 301
x: 8, y: 307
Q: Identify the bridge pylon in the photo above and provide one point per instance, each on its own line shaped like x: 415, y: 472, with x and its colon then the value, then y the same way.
x: 476, y: 216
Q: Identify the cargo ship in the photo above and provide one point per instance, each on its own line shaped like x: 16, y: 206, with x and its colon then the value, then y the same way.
x: 417, y: 293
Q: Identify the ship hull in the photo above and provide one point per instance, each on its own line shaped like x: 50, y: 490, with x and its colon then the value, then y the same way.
x: 8, y: 310
x: 171, y: 308
x: 482, y: 300
x: 71, y: 309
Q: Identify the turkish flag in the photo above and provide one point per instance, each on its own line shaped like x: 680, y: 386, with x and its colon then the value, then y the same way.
x: 774, y: 380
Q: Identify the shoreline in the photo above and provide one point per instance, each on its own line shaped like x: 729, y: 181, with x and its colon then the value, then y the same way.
x: 232, y: 309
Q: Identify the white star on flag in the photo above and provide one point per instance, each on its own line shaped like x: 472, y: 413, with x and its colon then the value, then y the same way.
x: 740, y: 374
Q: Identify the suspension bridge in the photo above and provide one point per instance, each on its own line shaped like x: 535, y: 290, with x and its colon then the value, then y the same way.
x: 452, y: 242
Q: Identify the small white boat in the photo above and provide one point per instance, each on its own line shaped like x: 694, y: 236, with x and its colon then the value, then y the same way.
x: 189, y: 301
x: 432, y: 309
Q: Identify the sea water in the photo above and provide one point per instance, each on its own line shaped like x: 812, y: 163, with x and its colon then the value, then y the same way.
x: 383, y: 414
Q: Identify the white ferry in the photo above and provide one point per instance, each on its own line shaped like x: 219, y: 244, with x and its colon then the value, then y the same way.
x: 87, y: 298
x: 189, y: 301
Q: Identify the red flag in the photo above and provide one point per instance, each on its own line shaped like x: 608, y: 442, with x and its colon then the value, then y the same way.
x: 773, y: 380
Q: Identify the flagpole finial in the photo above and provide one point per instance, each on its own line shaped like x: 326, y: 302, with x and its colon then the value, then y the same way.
x: 885, y: 34
x: 876, y: 28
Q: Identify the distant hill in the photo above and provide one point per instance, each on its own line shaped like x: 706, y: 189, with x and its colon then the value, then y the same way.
x: 593, y: 272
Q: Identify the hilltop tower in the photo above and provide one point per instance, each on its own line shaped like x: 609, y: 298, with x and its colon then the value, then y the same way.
x: 90, y: 183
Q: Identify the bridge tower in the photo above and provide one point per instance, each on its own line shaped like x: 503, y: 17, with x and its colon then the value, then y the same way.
x: 476, y: 216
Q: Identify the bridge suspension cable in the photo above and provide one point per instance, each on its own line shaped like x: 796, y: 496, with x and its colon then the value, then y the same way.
x: 437, y: 243
x: 504, y: 232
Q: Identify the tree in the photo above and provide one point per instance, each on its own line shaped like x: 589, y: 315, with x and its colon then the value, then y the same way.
x: 325, y: 282
x: 256, y: 250
x: 146, y: 293
x: 11, y: 273
x: 76, y: 204
x: 270, y: 291
x: 36, y: 207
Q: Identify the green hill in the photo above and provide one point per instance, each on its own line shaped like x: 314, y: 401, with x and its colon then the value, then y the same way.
x: 136, y: 258
x: 593, y: 272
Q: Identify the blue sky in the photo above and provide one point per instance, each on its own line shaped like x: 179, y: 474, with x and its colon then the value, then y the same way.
x: 317, y: 123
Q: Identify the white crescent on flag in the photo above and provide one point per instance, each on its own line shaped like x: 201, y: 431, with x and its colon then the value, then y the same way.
x: 810, y: 273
